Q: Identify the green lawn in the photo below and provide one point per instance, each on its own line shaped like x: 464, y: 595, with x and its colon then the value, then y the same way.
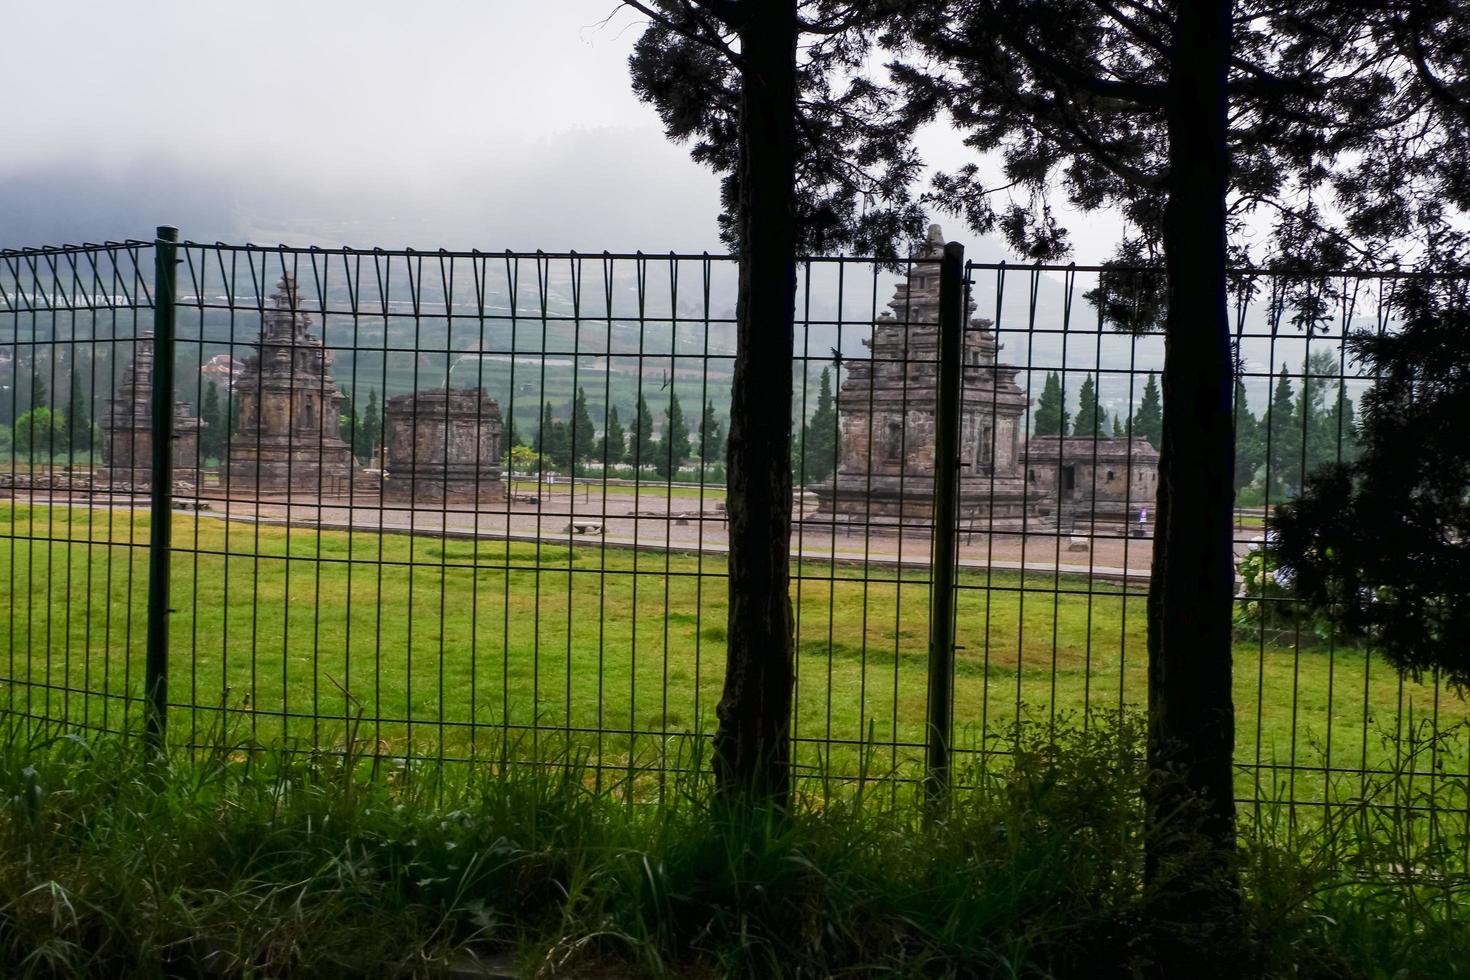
x: 418, y: 631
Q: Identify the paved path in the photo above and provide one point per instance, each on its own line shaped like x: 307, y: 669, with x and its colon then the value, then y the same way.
x: 655, y: 522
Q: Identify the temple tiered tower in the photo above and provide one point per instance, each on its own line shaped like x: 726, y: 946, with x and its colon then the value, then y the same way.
x: 886, y: 408
x: 127, y: 428
x: 287, y: 440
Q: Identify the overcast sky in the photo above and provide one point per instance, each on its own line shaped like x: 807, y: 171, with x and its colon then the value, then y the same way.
x: 485, y: 123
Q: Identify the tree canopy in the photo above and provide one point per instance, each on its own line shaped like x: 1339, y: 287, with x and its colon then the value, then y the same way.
x: 856, y: 166
x: 1337, y: 139
x: 1381, y: 544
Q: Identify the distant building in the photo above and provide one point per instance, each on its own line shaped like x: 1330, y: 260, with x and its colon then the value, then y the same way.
x: 1084, y: 481
x: 288, y: 437
x: 887, y: 406
x: 222, y: 370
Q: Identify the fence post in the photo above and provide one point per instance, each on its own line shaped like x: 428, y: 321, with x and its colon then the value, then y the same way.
x: 155, y: 673
x: 946, y: 517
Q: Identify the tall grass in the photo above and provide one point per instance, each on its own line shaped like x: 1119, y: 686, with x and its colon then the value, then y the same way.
x: 242, y: 861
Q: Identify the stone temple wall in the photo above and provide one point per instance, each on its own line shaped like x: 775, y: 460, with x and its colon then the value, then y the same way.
x: 444, y: 447
x: 1104, y: 480
x: 126, y: 429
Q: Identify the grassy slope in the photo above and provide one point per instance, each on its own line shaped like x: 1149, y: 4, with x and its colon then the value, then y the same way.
x: 420, y: 631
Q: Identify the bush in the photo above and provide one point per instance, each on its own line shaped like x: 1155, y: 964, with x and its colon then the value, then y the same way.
x: 1269, y: 603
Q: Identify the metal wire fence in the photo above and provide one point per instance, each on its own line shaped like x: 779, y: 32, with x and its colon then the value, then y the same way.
x: 459, y: 504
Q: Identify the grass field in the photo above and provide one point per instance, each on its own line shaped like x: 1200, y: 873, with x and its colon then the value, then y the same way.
x: 435, y: 642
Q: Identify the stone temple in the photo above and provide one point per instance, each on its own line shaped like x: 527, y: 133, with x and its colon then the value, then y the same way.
x: 287, y: 440
x: 127, y: 428
x: 443, y: 448
x: 1078, y: 480
x: 886, y: 409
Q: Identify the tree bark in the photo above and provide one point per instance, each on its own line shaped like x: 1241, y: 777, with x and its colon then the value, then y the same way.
x: 752, y: 750
x: 1191, y: 808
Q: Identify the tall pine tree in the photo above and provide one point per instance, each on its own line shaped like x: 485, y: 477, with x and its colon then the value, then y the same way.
x: 213, y: 436
x: 1324, y: 414
x: 1051, y: 415
x: 1148, y: 421
x: 349, y: 423
x: 1090, y: 416
x: 583, y: 433
x: 40, y: 394
x: 370, y: 433
x: 553, y: 439
x: 819, y: 444
x: 80, y: 434
x: 1250, y: 447
x: 711, y: 435
x: 775, y: 96
x: 1189, y: 117
x: 642, y: 445
x: 613, y: 447
x: 673, y: 450
x: 1284, y: 440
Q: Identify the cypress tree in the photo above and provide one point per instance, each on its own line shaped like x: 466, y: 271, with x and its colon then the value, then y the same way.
x: 553, y: 440
x: 40, y: 394
x: 583, y: 434
x: 349, y: 423
x: 1051, y: 411
x: 212, y: 438
x: 1324, y: 414
x: 819, y: 436
x: 642, y: 447
x: 79, y: 431
x: 1090, y: 415
x: 1148, y: 421
x: 1284, y: 432
x: 711, y: 435
x: 674, y: 449
x: 614, y: 446
x: 1250, y: 448
x: 370, y: 434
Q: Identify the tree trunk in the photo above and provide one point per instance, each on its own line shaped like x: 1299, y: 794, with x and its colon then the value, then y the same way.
x: 752, y: 750
x: 1191, y: 808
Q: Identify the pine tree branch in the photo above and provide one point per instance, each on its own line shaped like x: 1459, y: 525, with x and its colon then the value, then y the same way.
x: 695, y: 28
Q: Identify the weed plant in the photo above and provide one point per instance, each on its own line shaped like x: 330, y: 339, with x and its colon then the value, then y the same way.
x: 233, y: 860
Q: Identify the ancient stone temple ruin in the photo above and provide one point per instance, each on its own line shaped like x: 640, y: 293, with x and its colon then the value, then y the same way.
x: 127, y: 428
x: 288, y: 436
x: 887, y: 405
x: 1081, y: 481
x: 443, y: 448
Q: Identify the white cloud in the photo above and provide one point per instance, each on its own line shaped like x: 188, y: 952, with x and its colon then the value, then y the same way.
x: 441, y: 122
